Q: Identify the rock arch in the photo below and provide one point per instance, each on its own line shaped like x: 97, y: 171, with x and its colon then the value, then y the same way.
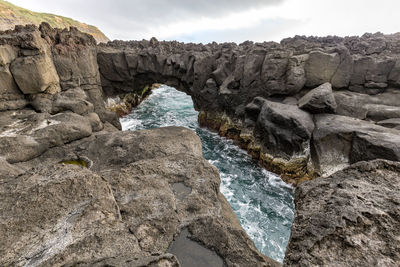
x: 250, y: 91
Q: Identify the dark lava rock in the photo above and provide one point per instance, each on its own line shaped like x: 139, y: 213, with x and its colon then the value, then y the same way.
x: 225, y: 81
x: 339, y: 141
x: 285, y: 129
x: 348, y: 219
x: 319, y: 100
x: 75, y: 191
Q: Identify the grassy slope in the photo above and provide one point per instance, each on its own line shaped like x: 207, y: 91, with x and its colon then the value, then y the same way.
x: 11, y: 15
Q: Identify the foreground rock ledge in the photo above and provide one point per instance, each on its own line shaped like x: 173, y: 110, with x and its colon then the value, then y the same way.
x: 148, y: 198
x: 75, y: 191
x: 351, y: 218
x: 143, y: 190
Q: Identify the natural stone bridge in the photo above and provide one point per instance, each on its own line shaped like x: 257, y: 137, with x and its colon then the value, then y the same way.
x: 122, y: 205
x: 253, y: 93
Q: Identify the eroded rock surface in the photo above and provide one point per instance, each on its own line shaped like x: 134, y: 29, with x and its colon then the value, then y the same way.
x: 125, y: 206
x: 348, y: 219
x: 76, y: 191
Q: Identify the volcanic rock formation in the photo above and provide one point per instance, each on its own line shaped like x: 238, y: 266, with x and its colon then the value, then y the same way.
x: 348, y: 219
x: 262, y: 94
x: 75, y: 191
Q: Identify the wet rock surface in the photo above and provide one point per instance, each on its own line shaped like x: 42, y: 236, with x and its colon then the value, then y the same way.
x: 350, y: 218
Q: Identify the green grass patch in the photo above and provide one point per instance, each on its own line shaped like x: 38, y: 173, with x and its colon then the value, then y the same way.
x: 77, y: 162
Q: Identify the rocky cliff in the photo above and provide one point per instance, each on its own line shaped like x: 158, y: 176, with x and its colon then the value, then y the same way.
x: 11, y: 15
x: 304, y: 107
x: 76, y: 191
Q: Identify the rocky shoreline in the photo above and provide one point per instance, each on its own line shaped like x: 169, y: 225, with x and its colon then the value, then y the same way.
x: 77, y: 191
x: 274, y: 98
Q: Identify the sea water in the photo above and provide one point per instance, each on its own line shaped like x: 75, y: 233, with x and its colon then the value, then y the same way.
x: 260, y: 199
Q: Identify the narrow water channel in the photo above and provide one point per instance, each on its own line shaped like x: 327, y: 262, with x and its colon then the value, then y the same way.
x: 262, y: 202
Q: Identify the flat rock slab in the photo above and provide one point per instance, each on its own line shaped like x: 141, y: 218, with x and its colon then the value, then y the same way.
x: 339, y: 141
x: 138, y: 193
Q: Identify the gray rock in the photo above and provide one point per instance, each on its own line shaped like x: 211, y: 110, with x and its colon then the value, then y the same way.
x: 51, y: 215
x: 390, y: 123
x: 339, y: 141
x: 296, y: 76
x: 31, y: 134
x: 125, y: 207
x: 320, y: 67
x: 377, y: 112
x: 359, y: 105
x: 319, y: 100
x: 76, y: 105
x: 10, y: 96
x: 342, y: 76
x: 35, y: 74
x: 8, y: 170
x: 130, y: 261
x: 95, y: 122
x: 372, y: 145
x: 348, y: 219
x: 285, y: 129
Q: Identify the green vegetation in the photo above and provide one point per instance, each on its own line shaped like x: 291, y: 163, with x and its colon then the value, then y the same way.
x: 77, y: 162
x: 11, y: 15
x: 145, y: 89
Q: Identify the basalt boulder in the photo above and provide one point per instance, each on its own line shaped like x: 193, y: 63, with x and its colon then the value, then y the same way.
x: 285, y: 130
x: 339, y: 141
x: 319, y: 100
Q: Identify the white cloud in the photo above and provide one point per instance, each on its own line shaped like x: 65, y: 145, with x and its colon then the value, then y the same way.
x: 192, y: 20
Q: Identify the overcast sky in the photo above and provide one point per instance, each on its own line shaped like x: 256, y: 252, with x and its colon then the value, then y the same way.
x: 226, y: 20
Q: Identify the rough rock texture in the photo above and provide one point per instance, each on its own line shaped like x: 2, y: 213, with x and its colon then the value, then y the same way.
x: 319, y: 100
x: 223, y: 79
x: 284, y: 131
x: 142, y: 189
x: 338, y: 141
x: 348, y: 219
x: 51, y: 70
x: 76, y: 191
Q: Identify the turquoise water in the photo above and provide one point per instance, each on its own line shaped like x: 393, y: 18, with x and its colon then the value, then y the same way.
x: 262, y: 202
